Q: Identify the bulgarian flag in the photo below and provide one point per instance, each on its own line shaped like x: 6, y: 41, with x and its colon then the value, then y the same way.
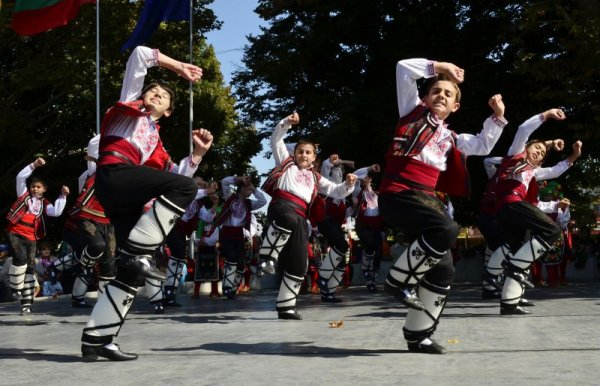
x: 32, y: 17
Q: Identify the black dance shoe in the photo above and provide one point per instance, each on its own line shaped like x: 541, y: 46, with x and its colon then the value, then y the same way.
x: 513, y: 311
x: 330, y: 298
x: 526, y: 303
x: 159, y: 308
x: 134, y: 263
x: 432, y: 348
x: 289, y: 315
x: 91, y: 353
x: 406, y: 296
x: 80, y: 304
x: 487, y: 294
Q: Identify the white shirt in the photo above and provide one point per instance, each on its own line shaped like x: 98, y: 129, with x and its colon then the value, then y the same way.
x: 435, y: 153
x: 300, y: 182
x: 34, y: 204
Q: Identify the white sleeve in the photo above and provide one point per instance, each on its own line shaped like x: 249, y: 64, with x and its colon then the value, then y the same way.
x: 407, y: 73
x: 361, y: 173
x: 81, y: 181
x: 261, y: 199
x: 548, y: 206
x: 326, y: 166
x: 482, y: 143
x: 92, y: 151
x: 552, y: 172
x: 186, y: 167
x: 564, y: 216
x: 523, y: 133
x: 58, y: 207
x: 140, y: 60
x: 491, y: 165
x: 22, y: 179
x: 334, y: 190
x: 206, y: 215
x: 226, y: 186
x: 280, y: 152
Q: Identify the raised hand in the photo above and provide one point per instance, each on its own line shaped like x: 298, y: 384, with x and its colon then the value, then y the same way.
x: 212, y: 188
x: 203, y: 140
x: 293, y: 119
x: 350, y: 179
x: 558, y: 144
x: 557, y: 114
x: 375, y: 168
x: 65, y: 190
x: 190, y: 72
x: 39, y: 162
x: 497, y: 105
x: 453, y: 72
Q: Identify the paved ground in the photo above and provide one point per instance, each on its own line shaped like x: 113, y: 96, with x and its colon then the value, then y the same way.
x: 223, y: 342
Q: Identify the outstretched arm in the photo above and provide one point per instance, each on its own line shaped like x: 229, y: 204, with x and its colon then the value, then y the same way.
x: 141, y: 59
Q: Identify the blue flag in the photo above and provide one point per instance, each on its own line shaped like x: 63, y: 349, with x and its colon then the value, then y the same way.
x: 153, y: 13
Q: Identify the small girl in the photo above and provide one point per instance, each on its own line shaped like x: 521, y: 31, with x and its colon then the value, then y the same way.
x: 293, y: 186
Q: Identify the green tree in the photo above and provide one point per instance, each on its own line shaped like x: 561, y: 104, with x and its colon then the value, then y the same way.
x: 334, y: 62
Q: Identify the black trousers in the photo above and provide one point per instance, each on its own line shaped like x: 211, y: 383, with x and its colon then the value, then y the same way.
x: 123, y: 190
x: 24, y: 251
x: 372, y: 241
x: 490, y: 230
x: 293, y: 258
x: 420, y: 215
x: 331, y: 229
x: 97, y: 237
x: 518, y: 218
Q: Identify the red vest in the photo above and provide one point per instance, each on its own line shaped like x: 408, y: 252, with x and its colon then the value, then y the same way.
x: 87, y: 205
x: 118, y: 144
x: 403, y: 172
x: 510, y: 190
x: 28, y: 225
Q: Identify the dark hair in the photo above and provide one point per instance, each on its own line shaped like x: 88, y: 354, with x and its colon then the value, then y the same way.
x: 165, y: 86
x: 36, y: 180
x: 444, y: 77
x: 534, y: 141
x: 305, y: 142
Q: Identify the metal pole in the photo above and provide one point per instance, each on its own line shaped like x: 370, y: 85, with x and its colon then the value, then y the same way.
x: 97, y: 66
x: 191, y: 242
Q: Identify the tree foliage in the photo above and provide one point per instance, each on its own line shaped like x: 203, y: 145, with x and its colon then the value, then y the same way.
x: 48, y: 94
x: 334, y: 61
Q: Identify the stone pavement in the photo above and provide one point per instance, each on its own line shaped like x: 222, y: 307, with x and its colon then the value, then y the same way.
x: 241, y: 342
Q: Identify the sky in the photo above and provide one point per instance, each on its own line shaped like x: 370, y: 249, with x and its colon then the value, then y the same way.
x: 239, y: 20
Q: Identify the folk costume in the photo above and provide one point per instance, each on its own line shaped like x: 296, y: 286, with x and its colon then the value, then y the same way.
x: 129, y: 137
x: 89, y: 234
x: 235, y: 217
x: 333, y: 265
x: 285, y: 235
x: 425, y: 156
x: 26, y: 226
x: 369, y: 228
x: 516, y: 215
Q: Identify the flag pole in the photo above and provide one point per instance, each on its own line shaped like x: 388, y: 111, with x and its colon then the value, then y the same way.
x: 191, y: 246
x: 97, y: 67
x: 191, y: 83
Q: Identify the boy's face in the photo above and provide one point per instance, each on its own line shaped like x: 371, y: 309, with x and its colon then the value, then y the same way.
x: 535, y: 153
x: 37, y: 189
x: 305, y: 155
x: 45, y: 252
x: 442, y: 99
x: 157, y: 100
x: 200, y: 183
